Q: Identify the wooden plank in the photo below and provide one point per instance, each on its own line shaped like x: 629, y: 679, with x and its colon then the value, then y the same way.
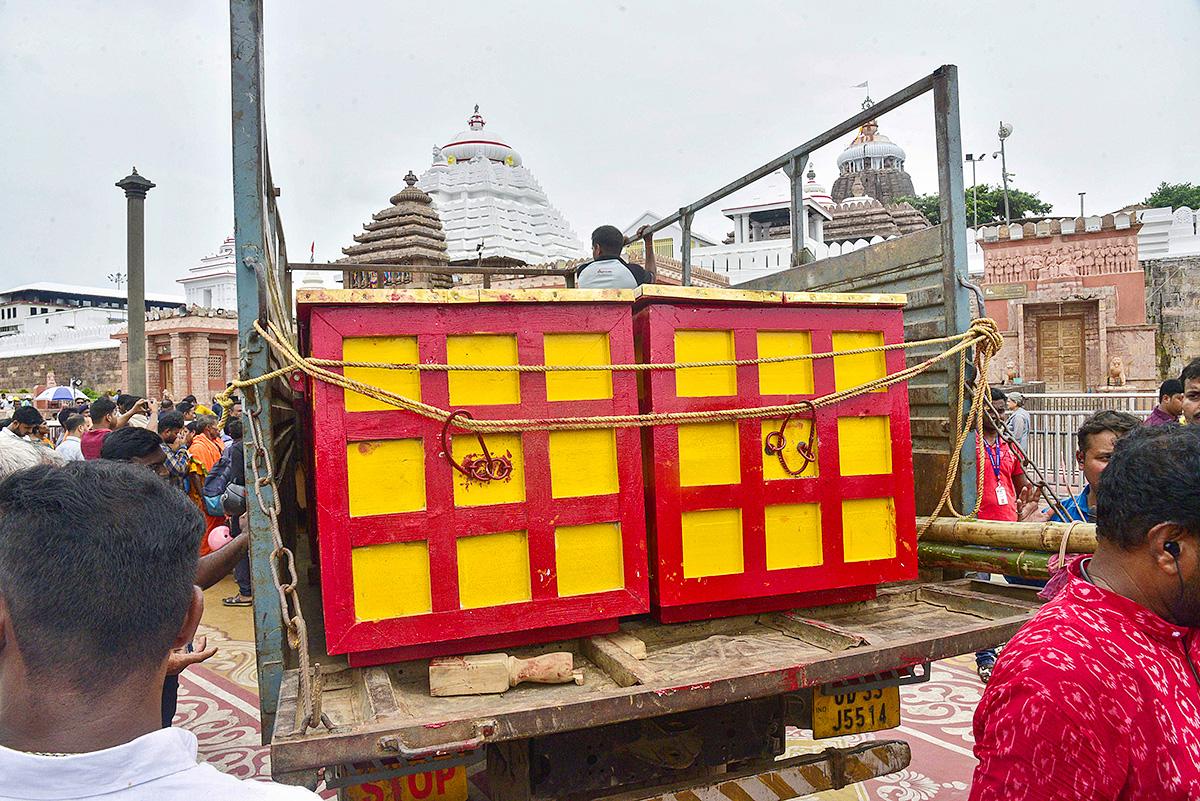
x: 628, y: 643
x: 618, y: 663
x: 816, y: 632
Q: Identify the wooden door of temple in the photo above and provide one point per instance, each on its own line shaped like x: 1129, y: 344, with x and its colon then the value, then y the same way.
x: 1060, y: 354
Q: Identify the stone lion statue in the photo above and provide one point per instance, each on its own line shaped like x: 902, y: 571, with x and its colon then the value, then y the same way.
x: 1116, y: 372
x: 1010, y: 371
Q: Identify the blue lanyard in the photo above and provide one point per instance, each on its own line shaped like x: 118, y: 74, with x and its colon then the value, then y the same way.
x: 993, y: 457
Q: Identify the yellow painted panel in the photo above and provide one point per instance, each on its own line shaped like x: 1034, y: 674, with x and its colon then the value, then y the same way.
x: 785, y: 378
x: 712, y: 542
x: 391, y: 580
x: 865, y: 445
x: 493, y: 569
x: 708, y: 454
x: 583, y: 463
x: 589, y: 558
x: 485, y: 387
x: 869, y: 529
x: 469, y: 492
x: 852, y: 371
x: 704, y: 346
x: 793, y: 535
x: 385, y: 476
x: 586, y: 348
x: 394, y: 350
x: 797, y: 432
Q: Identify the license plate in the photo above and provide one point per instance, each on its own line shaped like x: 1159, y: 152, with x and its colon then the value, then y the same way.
x: 850, y: 712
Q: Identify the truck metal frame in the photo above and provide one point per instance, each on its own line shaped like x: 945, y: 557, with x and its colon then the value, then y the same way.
x: 385, y: 713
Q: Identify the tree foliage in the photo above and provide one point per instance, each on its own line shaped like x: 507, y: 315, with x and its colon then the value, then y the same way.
x: 991, y: 205
x: 1174, y: 195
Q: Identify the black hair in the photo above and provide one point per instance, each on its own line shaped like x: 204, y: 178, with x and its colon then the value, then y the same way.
x: 1172, y: 386
x: 233, y: 428
x: 101, y: 408
x: 97, y: 562
x: 73, y: 422
x: 183, y: 407
x: 609, y: 239
x: 998, y: 394
x: 28, y: 415
x: 1191, y: 372
x: 1153, y: 477
x: 126, y: 402
x: 1105, y: 420
x: 128, y: 443
x: 190, y: 399
x: 166, y: 404
x: 170, y: 420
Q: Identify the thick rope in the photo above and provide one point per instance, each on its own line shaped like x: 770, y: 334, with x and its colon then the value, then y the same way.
x: 983, y: 332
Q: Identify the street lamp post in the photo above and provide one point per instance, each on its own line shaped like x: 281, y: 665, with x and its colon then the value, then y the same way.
x: 136, y: 187
x: 1081, y: 194
x: 974, y: 191
x: 1005, y: 132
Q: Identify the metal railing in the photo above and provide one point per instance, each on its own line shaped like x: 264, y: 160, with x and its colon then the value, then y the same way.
x: 943, y: 82
x: 1053, y: 427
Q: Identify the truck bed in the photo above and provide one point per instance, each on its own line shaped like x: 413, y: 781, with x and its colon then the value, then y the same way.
x: 386, y: 711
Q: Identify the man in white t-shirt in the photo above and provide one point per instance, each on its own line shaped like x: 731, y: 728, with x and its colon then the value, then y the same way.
x: 97, y: 568
x: 607, y: 270
x: 75, y: 425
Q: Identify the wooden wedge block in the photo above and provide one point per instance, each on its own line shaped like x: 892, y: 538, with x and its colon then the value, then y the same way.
x: 481, y: 674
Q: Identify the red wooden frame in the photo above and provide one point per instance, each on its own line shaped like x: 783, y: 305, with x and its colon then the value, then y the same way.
x: 675, y: 598
x: 546, y: 616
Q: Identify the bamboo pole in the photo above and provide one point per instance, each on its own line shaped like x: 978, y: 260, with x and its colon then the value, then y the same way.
x: 1026, y: 564
x: 1019, y: 536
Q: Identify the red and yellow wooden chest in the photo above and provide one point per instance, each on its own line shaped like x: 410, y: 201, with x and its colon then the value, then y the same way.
x: 730, y: 530
x: 418, y: 560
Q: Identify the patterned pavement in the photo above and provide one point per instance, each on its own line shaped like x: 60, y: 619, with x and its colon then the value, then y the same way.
x: 218, y: 701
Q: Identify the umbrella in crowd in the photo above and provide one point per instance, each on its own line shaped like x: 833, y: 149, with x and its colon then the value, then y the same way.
x: 60, y: 394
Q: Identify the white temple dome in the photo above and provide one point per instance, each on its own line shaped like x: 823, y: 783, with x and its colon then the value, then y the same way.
x: 815, y: 191
x: 473, y: 142
x: 491, y: 205
x: 870, y: 150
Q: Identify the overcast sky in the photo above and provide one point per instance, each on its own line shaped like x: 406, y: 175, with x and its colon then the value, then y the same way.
x: 616, y: 108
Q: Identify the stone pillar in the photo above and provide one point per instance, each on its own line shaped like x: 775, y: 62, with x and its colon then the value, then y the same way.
x: 136, y: 187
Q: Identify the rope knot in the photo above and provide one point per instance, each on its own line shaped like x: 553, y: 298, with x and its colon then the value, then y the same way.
x: 991, y: 340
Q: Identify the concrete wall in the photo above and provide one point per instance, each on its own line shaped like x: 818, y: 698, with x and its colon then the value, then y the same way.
x: 1173, y: 306
x: 99, y: 369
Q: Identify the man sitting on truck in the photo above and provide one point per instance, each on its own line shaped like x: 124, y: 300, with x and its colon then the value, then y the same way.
x: 97, y: 569
x: 607, y: 270
x: 1097, y: 697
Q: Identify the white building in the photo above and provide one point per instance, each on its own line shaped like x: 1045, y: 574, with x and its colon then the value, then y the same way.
x: 485, y: 196
x: 43, y: 307
x: 212, y: 284
x: 668, y: 242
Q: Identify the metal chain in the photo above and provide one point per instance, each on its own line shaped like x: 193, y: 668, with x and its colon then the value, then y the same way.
x: 263, y: 468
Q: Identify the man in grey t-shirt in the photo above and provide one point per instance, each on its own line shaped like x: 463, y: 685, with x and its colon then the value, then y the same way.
x: 607, y: 270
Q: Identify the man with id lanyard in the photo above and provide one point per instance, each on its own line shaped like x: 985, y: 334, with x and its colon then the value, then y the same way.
x: 1003, y: 482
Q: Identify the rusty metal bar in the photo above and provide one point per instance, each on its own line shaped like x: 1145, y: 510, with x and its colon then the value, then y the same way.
x: 913, y: 90
x: 795, y: 173
x: 429, y: 268
x: 954, y: 244
x: 648, y: 258
x: 686, y: 252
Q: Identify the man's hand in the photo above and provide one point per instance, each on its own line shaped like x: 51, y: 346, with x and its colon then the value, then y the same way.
x: 179, y: 659
x: 185, y: 436
x: 1029, y: 506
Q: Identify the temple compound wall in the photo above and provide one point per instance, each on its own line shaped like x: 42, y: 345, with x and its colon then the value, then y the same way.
x: 1070, y: 298
x: 1173, y: 307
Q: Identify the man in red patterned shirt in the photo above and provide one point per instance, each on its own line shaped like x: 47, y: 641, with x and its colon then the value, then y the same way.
x: 1098, y: 697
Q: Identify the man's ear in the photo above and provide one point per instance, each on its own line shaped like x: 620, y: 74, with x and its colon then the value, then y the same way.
x: 1156, y: 540
x: 188, y: 631
x: 1079, y: 457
